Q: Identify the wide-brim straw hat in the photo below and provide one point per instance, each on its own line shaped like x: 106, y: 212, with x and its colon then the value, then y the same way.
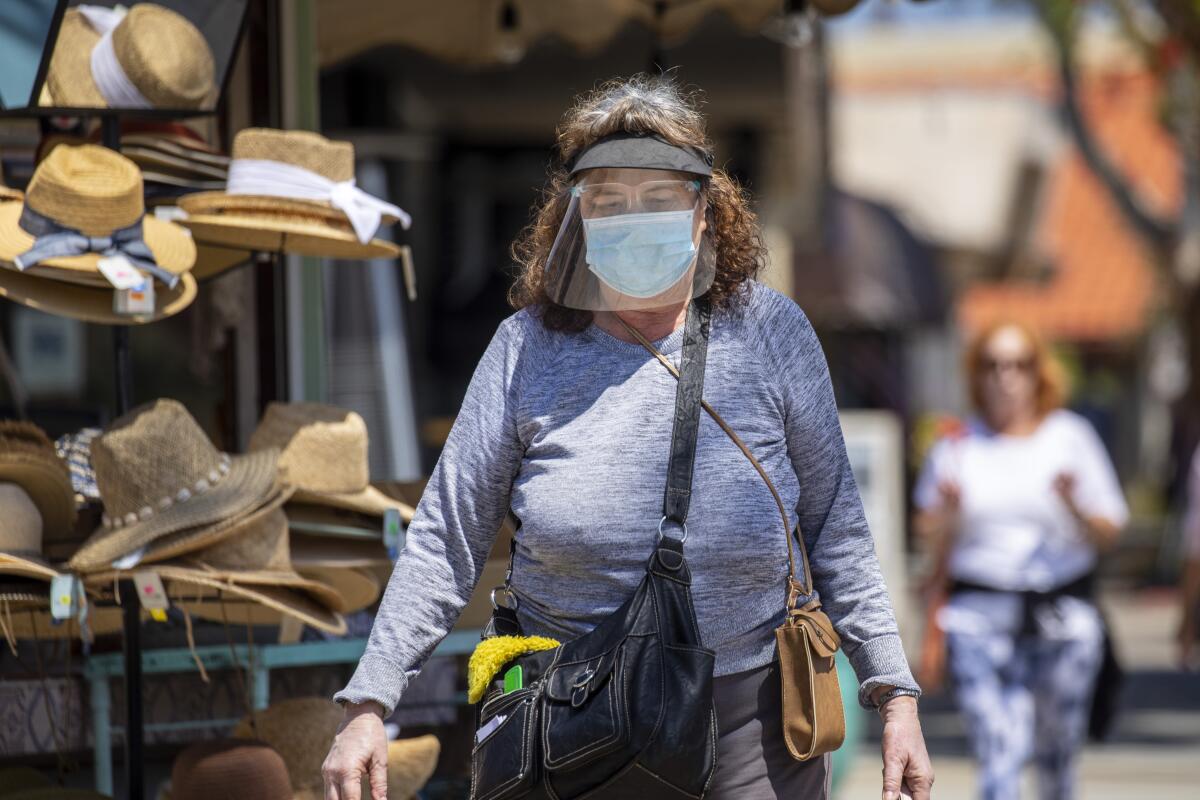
x: 352, y: 566
x: 163, y: 55
x: 158, y: 475
x: 302, y: 730
x: 323, y: 453
x: 214, y: 260
x: 28, y: 460
x: 89, y: 304
x: 25, y: 615
x: 284, y: 224
x: 94, y: 190
x: 244, y: 603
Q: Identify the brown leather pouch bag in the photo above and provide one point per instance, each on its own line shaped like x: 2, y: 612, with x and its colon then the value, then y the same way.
x: 814, y: 722
x: 813, y: 719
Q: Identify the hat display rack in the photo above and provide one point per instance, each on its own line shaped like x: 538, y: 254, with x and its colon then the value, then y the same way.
x: 163, y: 106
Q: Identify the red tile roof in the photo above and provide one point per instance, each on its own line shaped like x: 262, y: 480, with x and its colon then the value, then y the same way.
x: 1104, y: 280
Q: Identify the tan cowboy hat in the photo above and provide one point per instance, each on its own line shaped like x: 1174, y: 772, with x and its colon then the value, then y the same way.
x: 357, y: 568
x: 323, y: 453
x: 28, y: 460
x: 247, y: 578
x: 167, y: 489
x: 163, y: 55
x: 302, y: 729
x: 226, y: 768
x: 277, y: 224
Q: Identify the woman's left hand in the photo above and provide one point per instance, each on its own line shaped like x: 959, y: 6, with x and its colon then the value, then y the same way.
x: 905, y: 760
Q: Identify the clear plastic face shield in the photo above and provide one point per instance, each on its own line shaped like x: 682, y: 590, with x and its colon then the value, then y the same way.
x: 632, y: 237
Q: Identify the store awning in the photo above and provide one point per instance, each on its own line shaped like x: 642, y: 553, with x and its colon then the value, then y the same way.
x: 482, y: 32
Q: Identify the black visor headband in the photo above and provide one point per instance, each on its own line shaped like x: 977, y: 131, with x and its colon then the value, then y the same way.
x: 641, y: 151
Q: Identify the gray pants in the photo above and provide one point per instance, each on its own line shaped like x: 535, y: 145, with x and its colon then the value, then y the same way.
x: 752, y: 761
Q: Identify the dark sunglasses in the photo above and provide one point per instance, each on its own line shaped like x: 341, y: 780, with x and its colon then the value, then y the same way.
x: 999, y: 365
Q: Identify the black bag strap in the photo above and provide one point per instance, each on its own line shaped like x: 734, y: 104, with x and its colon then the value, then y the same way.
x: 688, y: 395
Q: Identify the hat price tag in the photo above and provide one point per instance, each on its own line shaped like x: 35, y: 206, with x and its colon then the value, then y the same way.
x: 120, y: 272
x: 151, y: 594
x: 136, y: 300
x: 393, y: 533
x: 66, y: 597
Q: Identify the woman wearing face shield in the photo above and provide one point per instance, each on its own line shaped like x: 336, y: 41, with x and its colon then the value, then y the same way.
x: 568, y: 423
x: 1020, y: 505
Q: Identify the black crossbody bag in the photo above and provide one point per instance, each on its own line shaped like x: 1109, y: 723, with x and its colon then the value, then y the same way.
x: 626, y: 710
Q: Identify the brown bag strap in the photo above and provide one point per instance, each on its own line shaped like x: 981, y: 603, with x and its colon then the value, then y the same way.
x: 795, y: 588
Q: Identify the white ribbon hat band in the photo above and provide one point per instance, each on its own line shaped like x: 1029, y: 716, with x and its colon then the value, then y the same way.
x: 110, y: 79
x: 250, y: 176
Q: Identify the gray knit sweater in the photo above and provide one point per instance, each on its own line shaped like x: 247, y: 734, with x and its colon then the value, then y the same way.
x: 572, y: 432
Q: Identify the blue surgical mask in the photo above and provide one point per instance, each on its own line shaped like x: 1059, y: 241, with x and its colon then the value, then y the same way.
x: 640, y: 255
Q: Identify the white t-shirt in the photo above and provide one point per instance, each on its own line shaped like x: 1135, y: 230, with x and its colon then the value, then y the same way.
x: 1016, y: 532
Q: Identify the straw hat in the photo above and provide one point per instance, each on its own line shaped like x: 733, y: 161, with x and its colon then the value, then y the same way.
x: 247, y: 578
x: 351, y: 566
x: 28, y: 459
x: 163, y: 55
x: 255, y: 553
x: 96, y: 191
x: 26, y: 615
x: 224, y: 768
x: 323, y: 453
x: 283, y: 224
x: 302, y: 731
x: 91, y: 304
x: 167, y: 489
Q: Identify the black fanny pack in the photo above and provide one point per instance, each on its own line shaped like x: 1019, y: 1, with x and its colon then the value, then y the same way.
x: 626, y: 710
x: 1035, y: 603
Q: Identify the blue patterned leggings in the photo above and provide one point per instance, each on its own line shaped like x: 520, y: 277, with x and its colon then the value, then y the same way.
x: 1024, y: 697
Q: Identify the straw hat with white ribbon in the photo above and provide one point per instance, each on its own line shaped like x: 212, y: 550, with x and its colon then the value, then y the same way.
x: 167, y: 490
x: 292, y: 192
x: 148, y: 57
x: 301, y: 730
x: 85, y: 203
x: 323, y: 453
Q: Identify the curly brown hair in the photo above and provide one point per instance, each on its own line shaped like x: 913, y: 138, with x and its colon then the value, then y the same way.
x: 640, y: 104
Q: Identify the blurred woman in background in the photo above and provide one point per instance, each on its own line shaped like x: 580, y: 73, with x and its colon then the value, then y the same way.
x: 1018, y: 506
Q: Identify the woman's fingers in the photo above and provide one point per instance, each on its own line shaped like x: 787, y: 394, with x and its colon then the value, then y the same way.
x: 378, y: 776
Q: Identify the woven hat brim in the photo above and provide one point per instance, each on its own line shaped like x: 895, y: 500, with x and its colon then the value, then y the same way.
x: 324, y: 593
x: 331, y: 551
x: 243, y: 604
x: 273, y: 235
x: 33, y: 621
x: 27, y: 566
x: 357, y: 588
x: 91, y: 304
x: 47, y: 484
x: 173, y: 249
x: 219, y: 203
x: 249, y: 484
x: 69, y: 79
x: 190, y: 540
x: 369, y: 501
x: 214, y: 260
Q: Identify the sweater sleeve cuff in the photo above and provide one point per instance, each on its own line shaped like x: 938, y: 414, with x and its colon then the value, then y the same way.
x: 375, y: 678
x: 881, y: 662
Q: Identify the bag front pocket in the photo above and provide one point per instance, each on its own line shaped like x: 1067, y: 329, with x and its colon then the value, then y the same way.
x: 503, y: 761
x: 586, y: 710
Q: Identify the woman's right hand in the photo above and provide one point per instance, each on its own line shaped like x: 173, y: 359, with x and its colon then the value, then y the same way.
x: 359, y: 749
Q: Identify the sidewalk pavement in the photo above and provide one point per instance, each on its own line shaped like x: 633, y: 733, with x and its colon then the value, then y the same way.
x: 1153, y: 753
